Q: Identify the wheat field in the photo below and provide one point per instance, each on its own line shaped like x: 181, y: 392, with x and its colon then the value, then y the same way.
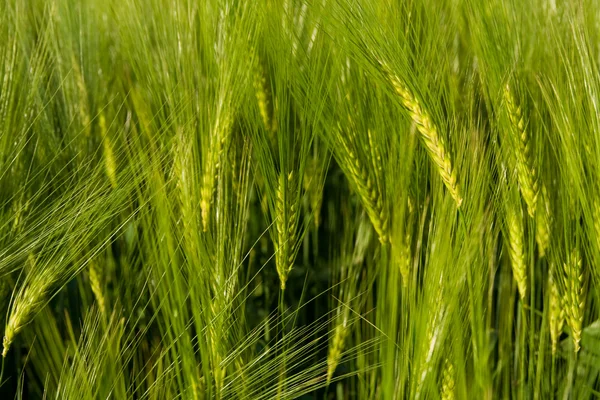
x: 300, y: 199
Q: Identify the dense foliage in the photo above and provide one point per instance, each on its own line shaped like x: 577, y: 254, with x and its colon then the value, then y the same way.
x: 332, y: 199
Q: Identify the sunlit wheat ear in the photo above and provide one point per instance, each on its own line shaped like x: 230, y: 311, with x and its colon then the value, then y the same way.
x: 368, y: 191
x: 27, y: 303
x: 556, y: 310
x: 448, y: 381
x: 516, y: 248
x: 95, y: 276
x: 286, y: 224
x: 434, y: 143
x: 543, y: 223
x: 110, y: 164
x: 574, y: 299
x: 526, y: 173
x: 336, y: 347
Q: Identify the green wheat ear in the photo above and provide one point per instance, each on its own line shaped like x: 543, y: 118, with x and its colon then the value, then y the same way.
x: 526, y: 173
x: 516, y: 249
x: 574, y: 296
x: 556, y: 318
x: 448, y: 381
x: 433, y: 141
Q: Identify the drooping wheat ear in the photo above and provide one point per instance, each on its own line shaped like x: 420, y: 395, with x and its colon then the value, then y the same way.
x: 516, y: 248
x: 27, y: 303
x: 110, y: 164
x: 336, y: 347
x: 524, y: 164
x: 448, y: 381
x: 574, y: 296
x: 556, y: 311
x: 286, y: 225
x: 543, y: 223
x: 371, y: 197
x: 218, y: 142
x: 95, y: 275
x: 434, y: 143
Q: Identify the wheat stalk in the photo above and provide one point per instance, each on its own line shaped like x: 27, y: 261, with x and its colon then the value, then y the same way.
x: 516, y: 249
x: 574, y: 296
x: 524, y: 165
x: 434, y: 143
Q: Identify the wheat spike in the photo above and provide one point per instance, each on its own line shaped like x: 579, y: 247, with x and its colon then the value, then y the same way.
x: 82, y: 102
x: 95, y: 275
x: 263, y: 97
x: 574, y: 296
x: 286, y: 226
x: 404, y: 253
x: 372, y: 198
x: 516, y: 249
x: 448, y: 381
x: 525, y: 170
x: 110, y: 164
x: 556, y: 312
x: 543, y: 224
x: 315, y: 192
x: 596, y: 215
x: 434, y: 143
x: 27, y: 303
x: 336, y: 348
